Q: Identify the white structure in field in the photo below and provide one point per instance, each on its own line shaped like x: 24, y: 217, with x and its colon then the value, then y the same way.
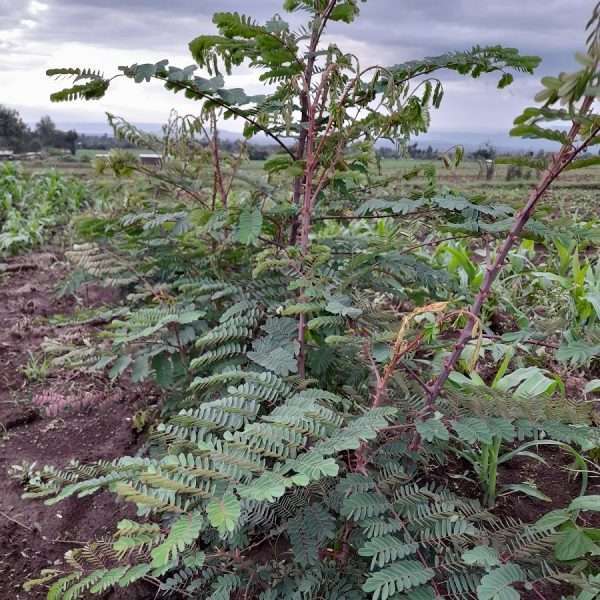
x: 151, y: 160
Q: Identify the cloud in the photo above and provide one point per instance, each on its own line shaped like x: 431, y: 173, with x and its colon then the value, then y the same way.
x: 36, y: 35
x: 35, y: 7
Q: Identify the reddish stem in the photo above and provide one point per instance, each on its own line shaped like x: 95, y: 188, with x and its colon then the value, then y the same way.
x: 559, y: 162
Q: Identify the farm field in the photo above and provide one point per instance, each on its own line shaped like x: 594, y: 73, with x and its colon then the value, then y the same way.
x: 339, y: 366
x: 53, y: 412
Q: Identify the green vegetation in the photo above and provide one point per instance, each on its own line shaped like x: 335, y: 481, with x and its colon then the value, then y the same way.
x: 33, y: 206
x: 328, y: 334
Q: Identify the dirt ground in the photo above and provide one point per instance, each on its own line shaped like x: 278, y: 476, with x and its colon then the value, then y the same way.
x: 68, y: 415
x: 63, y: 416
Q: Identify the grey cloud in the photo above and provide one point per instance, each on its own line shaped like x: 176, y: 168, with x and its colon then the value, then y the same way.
x: 388, y: 30
x: 432, y: 24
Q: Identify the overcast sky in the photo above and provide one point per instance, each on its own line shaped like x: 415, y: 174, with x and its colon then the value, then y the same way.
x: 38, y: 34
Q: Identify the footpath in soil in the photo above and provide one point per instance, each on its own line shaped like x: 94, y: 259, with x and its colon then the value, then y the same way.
x: 65, y: 415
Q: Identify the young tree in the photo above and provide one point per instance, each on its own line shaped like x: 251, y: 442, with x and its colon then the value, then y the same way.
x: 322, y: 97
x: 258, y: 452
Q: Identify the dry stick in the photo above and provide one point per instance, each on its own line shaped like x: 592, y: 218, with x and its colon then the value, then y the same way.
x: 214, y: 143
x: 559, y: 162
x: 197, y: 196
x: 415, y: 213
x: 235, y: 168
x: 526, y: 342
x: 3, y: 514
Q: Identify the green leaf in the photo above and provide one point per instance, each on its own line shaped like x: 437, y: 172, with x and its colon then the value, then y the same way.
x: 573, y: 544
x: 250, y: 225
x: 314, y: 466
x: 591, y: 502
x: 281, y: 361
x: 497, y: 584
x: 308, y: 531
x: 528, y: 489
x: 223, y: 513
x: 277, y: 163
x: 345, y: 12
x: 268, y: 487
x: 432, y: 429
x: 387, y: 548
x: 502, y: 428
x: 398, y: 577
x: 342, y: 305
x: 537, y: 132
x: 136, y: 572
x: 120, y: 366
x: 553, y: 519
x: 584, y: 163
x: 527, y: 382
x: 481, y: 556
x: 277, y: 351
x: 141, y: 368
x: 163, y: 367
x: 505, y: 80
x: 577, y: 352
x: 472, y: 430
x: 183, y: 533
x: 109, y: 579
x: 195, y: 560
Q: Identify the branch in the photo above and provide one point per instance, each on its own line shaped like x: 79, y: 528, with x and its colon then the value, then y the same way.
x: 560, y: 161
x: 150, y: 173
x: 304, y: 110
x: 229, y: 107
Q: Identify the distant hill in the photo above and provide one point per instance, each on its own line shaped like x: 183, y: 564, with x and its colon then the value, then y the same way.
x: 438, y: 140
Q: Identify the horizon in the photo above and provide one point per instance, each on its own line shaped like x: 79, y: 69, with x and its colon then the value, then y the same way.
x: 471, y: 140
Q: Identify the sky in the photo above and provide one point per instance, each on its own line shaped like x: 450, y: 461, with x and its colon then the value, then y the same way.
x: 39, y: 34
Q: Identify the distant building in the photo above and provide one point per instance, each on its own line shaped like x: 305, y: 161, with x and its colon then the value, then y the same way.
x: 7, y: 155
x: 151, y: 160
x: 29, y: 156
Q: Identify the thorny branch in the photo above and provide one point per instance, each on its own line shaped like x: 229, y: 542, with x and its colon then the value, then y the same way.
x: 559, y: 163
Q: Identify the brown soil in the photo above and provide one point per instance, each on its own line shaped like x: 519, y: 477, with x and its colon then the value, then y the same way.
x: 66, y: 415
x: 555, y: 479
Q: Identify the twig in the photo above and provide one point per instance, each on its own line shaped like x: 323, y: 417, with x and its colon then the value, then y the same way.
x: 526, y: 342
x: 386, y: 216
x: 79, y: 543
x: 435, y: 242
x: 414, y: 375
x: 238, y: 112
x: 176, y: 184
x: 3, y: 514
x: 305, y: 110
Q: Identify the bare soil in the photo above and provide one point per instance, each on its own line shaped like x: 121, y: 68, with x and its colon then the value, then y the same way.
x: 65, y: 415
